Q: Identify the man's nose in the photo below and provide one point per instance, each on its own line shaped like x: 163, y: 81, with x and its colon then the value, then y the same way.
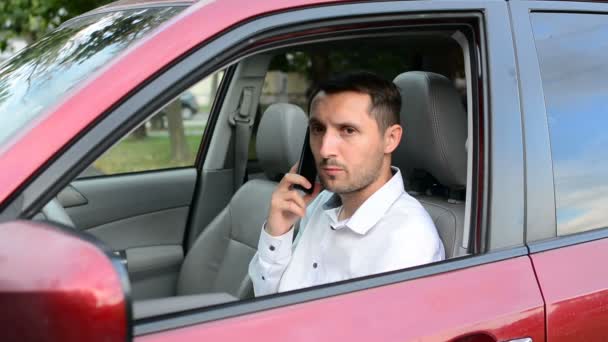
x: 329, y: 143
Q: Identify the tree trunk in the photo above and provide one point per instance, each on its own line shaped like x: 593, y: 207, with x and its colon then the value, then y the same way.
x: 140, y: 132
x: 177, y: 136
x: 320, y: 67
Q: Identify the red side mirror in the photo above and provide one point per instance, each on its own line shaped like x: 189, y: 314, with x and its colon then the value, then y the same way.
x: 59, y: 285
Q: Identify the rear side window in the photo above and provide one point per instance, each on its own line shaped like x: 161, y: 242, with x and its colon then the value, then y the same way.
x: 573, y: 56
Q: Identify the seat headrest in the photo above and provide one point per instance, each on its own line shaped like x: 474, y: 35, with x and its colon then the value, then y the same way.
x: 434, y: 128
x: 280, y: 138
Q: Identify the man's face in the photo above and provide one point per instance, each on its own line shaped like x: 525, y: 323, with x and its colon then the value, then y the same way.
x: 345, y: 141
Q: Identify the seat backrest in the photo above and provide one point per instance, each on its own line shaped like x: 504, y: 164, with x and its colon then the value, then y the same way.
x: 434, y: 138
x: 219, y: 258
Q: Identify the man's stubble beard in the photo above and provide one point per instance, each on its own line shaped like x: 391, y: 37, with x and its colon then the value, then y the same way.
x: 363, y: 180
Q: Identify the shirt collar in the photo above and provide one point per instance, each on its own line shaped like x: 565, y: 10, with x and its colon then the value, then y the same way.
x: 372, y: 210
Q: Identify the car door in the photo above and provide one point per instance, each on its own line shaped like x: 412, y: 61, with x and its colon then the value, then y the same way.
x: 491, y: 296
x: 562, y: 58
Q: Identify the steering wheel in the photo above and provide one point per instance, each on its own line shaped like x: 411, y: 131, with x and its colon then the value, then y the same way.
x: 54, y: 211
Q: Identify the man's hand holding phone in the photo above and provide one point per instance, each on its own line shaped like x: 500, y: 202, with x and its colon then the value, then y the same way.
x: 288, y: 204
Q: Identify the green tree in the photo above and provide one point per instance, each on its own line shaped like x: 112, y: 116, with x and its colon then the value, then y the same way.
x: 30, y: 19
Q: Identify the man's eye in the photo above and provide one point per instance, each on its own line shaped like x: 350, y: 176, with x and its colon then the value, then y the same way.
x: 348, y: 130
x: 316, y: 129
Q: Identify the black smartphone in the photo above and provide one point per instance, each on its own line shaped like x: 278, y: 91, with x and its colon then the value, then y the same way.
x: 306, y: 166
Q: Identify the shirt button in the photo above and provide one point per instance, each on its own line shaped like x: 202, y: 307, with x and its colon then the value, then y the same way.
x: 271, y: 247
x: 263, y: 278
x: 314, y: 265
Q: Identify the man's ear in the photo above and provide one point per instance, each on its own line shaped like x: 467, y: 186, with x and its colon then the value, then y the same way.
x: 392, y: 138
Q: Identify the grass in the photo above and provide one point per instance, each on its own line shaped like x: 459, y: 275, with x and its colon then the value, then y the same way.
x: 150, y: 153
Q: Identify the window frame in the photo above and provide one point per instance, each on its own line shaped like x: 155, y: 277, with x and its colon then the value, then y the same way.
x: 541, y: 223
x: 501, y: 213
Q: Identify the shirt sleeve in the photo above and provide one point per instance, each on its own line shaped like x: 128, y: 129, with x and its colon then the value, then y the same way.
x: 268, y: 264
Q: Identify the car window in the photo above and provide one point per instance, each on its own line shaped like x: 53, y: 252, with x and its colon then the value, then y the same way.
x: 38, y: 77
x: 168, y: 139
x: 572, y: 52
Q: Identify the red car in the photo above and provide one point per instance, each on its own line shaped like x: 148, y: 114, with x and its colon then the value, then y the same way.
x: 121, y: 224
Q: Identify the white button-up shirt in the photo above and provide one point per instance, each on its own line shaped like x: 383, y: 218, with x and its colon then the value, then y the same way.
x: 389, y: 231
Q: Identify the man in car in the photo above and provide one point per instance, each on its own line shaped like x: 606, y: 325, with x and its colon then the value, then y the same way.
x: 363, y: 222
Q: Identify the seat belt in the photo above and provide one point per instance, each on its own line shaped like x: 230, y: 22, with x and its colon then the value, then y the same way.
x: 242, y: 122
x: 296, y: 230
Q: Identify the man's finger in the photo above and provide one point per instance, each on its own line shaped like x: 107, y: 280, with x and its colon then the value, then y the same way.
x: 291, y: 179
x: 296, y: 197
x: 293, y: 208
x: 315, y: 192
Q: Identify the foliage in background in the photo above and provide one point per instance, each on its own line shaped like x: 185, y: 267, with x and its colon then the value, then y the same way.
x: 30, y: 19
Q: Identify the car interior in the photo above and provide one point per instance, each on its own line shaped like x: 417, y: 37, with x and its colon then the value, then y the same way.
x: 187, y: 233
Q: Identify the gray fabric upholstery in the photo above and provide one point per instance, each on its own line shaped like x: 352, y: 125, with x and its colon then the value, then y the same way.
x: 435, y: 127
x: 219, y: 258
x: 280, y: 138
x: 434, y: 138
x: 449, y: 220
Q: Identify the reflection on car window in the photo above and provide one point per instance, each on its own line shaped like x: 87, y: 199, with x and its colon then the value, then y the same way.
x: 37, y: 77
x: 572, y: 51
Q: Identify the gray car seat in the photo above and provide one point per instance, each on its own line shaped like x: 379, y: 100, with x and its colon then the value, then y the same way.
x: 218, y: 259
x: 434, y: 137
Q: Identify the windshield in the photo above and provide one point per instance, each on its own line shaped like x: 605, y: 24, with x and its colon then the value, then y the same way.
x: 42, y: 73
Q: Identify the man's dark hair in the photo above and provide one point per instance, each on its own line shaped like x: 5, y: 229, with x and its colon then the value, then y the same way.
x: 385, y: 96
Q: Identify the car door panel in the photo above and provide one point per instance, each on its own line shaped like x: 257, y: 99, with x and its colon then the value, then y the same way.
x: 491, y: 302
x: 153, y: 270
x: 153, y: 248
x: 575, y: 291
x: 164, y: 227
x: 111, y: 198
x: 564, y: 170
x: 142, y: 214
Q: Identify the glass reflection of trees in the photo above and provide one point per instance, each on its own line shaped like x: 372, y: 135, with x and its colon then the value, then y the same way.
x: 40, y: 74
